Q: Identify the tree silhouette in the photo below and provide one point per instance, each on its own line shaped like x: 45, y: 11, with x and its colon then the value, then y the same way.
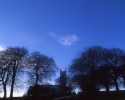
x: 104, y: 77
x: 121, y: 72
x: 15, y: 56
x: 97, y: 67
x: 11, y: 64
x: 5, y: 72
x: 86, y: 65
x: 114, y: 60
x: 41, y: 67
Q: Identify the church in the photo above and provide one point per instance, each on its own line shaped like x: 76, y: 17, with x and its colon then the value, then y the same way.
x: 55, y: 89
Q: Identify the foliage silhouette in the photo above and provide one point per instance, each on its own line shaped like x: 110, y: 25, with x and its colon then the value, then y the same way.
x: 97, y: 67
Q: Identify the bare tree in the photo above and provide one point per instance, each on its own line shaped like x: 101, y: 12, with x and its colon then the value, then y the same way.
x: 114, y: 60
x: 104, y: 77
x: 92, y: 59
x: 5, y: 73
x: 15, y: 56
x: 86, y: 65
x: 121, y: 72
x: 41, y: 67
x: 78, y: 71
x: 102, y: 66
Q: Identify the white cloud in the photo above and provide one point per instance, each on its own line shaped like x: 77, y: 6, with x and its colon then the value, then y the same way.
x: 2, y: 48
x: 53, y: 35
x: 65, y: 40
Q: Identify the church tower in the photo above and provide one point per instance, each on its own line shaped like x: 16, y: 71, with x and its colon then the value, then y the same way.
x: 63, y: 81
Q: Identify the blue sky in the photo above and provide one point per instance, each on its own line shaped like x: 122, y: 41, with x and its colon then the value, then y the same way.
x: 62, y: 28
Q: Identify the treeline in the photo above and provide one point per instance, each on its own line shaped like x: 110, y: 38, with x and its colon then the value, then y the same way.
x: 97, y: 67
x: 17, y: 62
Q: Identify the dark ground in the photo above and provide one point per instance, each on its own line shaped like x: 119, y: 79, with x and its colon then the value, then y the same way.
x: 112, y: 95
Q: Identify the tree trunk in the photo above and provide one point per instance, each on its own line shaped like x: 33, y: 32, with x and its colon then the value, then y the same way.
x: 12, y: 85
x: 115, y: 81
x: 107, y: 88
x: 36, y: 83
x: 5, y: 93
x: 116, y: 85
x: 37, y: 75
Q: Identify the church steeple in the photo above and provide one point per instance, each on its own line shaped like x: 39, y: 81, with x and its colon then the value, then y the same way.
x: 63, y: 81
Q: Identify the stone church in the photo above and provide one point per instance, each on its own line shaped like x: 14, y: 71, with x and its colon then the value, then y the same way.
x: 55, y: 89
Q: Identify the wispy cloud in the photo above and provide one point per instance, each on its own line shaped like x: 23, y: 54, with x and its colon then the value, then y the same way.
x: 64, y: 40
x: 67, y: 40
x: 2, y: 48
x: 53, y: 35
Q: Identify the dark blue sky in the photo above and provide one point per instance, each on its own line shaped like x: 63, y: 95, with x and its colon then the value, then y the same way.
x: 62, y: 28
